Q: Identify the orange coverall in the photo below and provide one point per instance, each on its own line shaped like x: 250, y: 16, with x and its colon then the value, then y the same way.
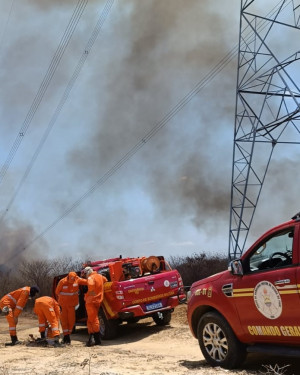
x: 47, y: 310
x: 93, y: 299
x: 16, y: 301
x: 67, y: 295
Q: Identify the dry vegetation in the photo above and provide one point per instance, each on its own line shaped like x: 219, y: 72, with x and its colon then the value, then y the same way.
x: 141, y: 349
x: 41, y: 271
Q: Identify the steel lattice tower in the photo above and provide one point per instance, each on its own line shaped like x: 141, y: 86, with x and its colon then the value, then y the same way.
x: 267, y: 104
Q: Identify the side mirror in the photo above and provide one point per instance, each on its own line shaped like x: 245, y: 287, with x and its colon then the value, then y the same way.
x: 236, y: 267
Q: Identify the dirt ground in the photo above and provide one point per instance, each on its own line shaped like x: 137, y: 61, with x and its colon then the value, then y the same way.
x: 142, y: 349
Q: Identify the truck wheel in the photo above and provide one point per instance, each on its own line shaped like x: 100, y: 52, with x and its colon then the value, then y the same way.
x: 108, y: 327
x: 218, y: 343
x: 162, y: 318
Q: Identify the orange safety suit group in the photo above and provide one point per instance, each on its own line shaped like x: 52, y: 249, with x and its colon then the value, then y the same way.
x: 16, y: 302
x: 93, y: 299
x: 67, y: 295
x: 48, y: 312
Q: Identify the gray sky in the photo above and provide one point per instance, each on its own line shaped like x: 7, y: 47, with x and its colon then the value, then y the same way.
x: 172, y: 196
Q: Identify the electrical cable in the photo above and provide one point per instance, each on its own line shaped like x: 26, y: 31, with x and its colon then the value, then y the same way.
x: 63, y: 99
x: 158, y: 126
x: 45, y: 83
x: 7, y: 21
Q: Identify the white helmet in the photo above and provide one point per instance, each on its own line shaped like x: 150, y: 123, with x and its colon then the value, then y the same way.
x: 87, y: 271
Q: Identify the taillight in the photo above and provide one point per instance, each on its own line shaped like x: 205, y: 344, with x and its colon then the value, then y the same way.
x: 119, y: 294
x: 180, y: 282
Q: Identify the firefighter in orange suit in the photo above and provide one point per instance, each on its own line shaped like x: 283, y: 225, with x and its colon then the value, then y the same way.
x: 48, y: 311
x: 12, y: 304
x: 67, y: 296
x: 93, y: 299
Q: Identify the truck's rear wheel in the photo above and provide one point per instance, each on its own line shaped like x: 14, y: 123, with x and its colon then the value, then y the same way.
x: 218, y: 343
x: 108, y: 327
x: 162, y: 318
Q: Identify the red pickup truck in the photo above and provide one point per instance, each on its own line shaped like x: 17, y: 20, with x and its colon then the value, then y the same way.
x: 137, y: 288
x: 254, y: 305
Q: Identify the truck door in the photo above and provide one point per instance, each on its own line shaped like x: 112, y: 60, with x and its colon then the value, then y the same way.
x: 266, y: 296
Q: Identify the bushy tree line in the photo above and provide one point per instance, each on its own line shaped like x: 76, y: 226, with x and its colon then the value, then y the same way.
x: 36, y: 272
x: 198, y: 266
x: 42, y: 271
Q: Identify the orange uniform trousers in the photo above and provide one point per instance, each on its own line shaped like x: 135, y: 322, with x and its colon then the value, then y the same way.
x: 93, y: 324
x: 47, y: 310
x: 67, y: 319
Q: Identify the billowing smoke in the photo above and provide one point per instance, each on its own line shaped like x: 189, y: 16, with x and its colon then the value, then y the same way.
x: 15, y: 235
x: 149, y: 55
x: 180, y: 169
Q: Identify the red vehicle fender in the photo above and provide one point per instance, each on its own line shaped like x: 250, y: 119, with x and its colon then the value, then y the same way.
x: 213, y: 296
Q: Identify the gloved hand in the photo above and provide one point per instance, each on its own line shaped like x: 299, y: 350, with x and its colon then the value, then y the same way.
x: 42, y: 335
x: 5, y: 311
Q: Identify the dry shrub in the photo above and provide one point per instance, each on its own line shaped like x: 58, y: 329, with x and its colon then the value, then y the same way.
x: 198, y: 266
x: 36, y: 272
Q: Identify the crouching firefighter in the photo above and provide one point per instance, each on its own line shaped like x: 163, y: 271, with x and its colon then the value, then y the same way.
x: 12, y: 304
x: 48, y: 313
x: 67, y: 296
x: 93, y: 299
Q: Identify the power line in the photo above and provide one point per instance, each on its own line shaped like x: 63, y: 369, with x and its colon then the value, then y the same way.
x: 7, y: 21
x: 155, y: 129
x: 63, y: 99
x: 45, y: 83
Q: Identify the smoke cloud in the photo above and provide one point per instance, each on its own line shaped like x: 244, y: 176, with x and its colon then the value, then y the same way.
x: 149, y: 55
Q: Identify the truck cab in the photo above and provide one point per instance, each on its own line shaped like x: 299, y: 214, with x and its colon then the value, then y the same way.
x: 254, y: 305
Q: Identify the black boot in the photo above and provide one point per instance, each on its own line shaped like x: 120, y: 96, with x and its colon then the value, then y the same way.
x: 57, y: 344
x: 15, y: 341
x: 66, y: 339
x: 91, y: 341
x: 97, y: 338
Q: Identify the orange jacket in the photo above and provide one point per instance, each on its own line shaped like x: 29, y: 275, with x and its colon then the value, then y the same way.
x: 16, y: 300
x: 95, y: 291
x: 67, y: 289
x: 47, y: 303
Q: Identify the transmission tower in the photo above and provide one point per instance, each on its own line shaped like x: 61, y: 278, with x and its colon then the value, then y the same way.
x: 267, y: 104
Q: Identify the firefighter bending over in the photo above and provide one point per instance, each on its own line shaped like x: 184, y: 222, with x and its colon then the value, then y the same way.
x: 12, y: 304
x: 93, y: 299
x: 67, y: 296
x: 48, y: 312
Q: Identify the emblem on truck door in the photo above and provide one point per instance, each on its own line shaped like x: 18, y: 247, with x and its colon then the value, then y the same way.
x: 267, y: 300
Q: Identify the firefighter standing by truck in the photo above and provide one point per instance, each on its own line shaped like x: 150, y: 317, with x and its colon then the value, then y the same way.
x: 93, y: 299
x: 12, y: 304
x: 67, y: 296
x: 48, y: 311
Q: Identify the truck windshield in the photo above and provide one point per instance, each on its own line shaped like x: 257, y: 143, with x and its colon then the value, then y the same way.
x: 275, y: 252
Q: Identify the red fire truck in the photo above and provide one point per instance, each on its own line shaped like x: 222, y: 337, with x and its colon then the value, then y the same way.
x: 137, y: 288
x: 254, y: 305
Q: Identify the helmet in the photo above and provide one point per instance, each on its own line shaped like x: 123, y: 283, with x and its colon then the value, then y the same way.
x: 86, y: 271
x: 34, y: 290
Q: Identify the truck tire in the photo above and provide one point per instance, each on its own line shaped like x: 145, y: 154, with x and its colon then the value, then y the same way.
x: 218, y: 343
x: 108, y: 327
x: 162, y: 318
